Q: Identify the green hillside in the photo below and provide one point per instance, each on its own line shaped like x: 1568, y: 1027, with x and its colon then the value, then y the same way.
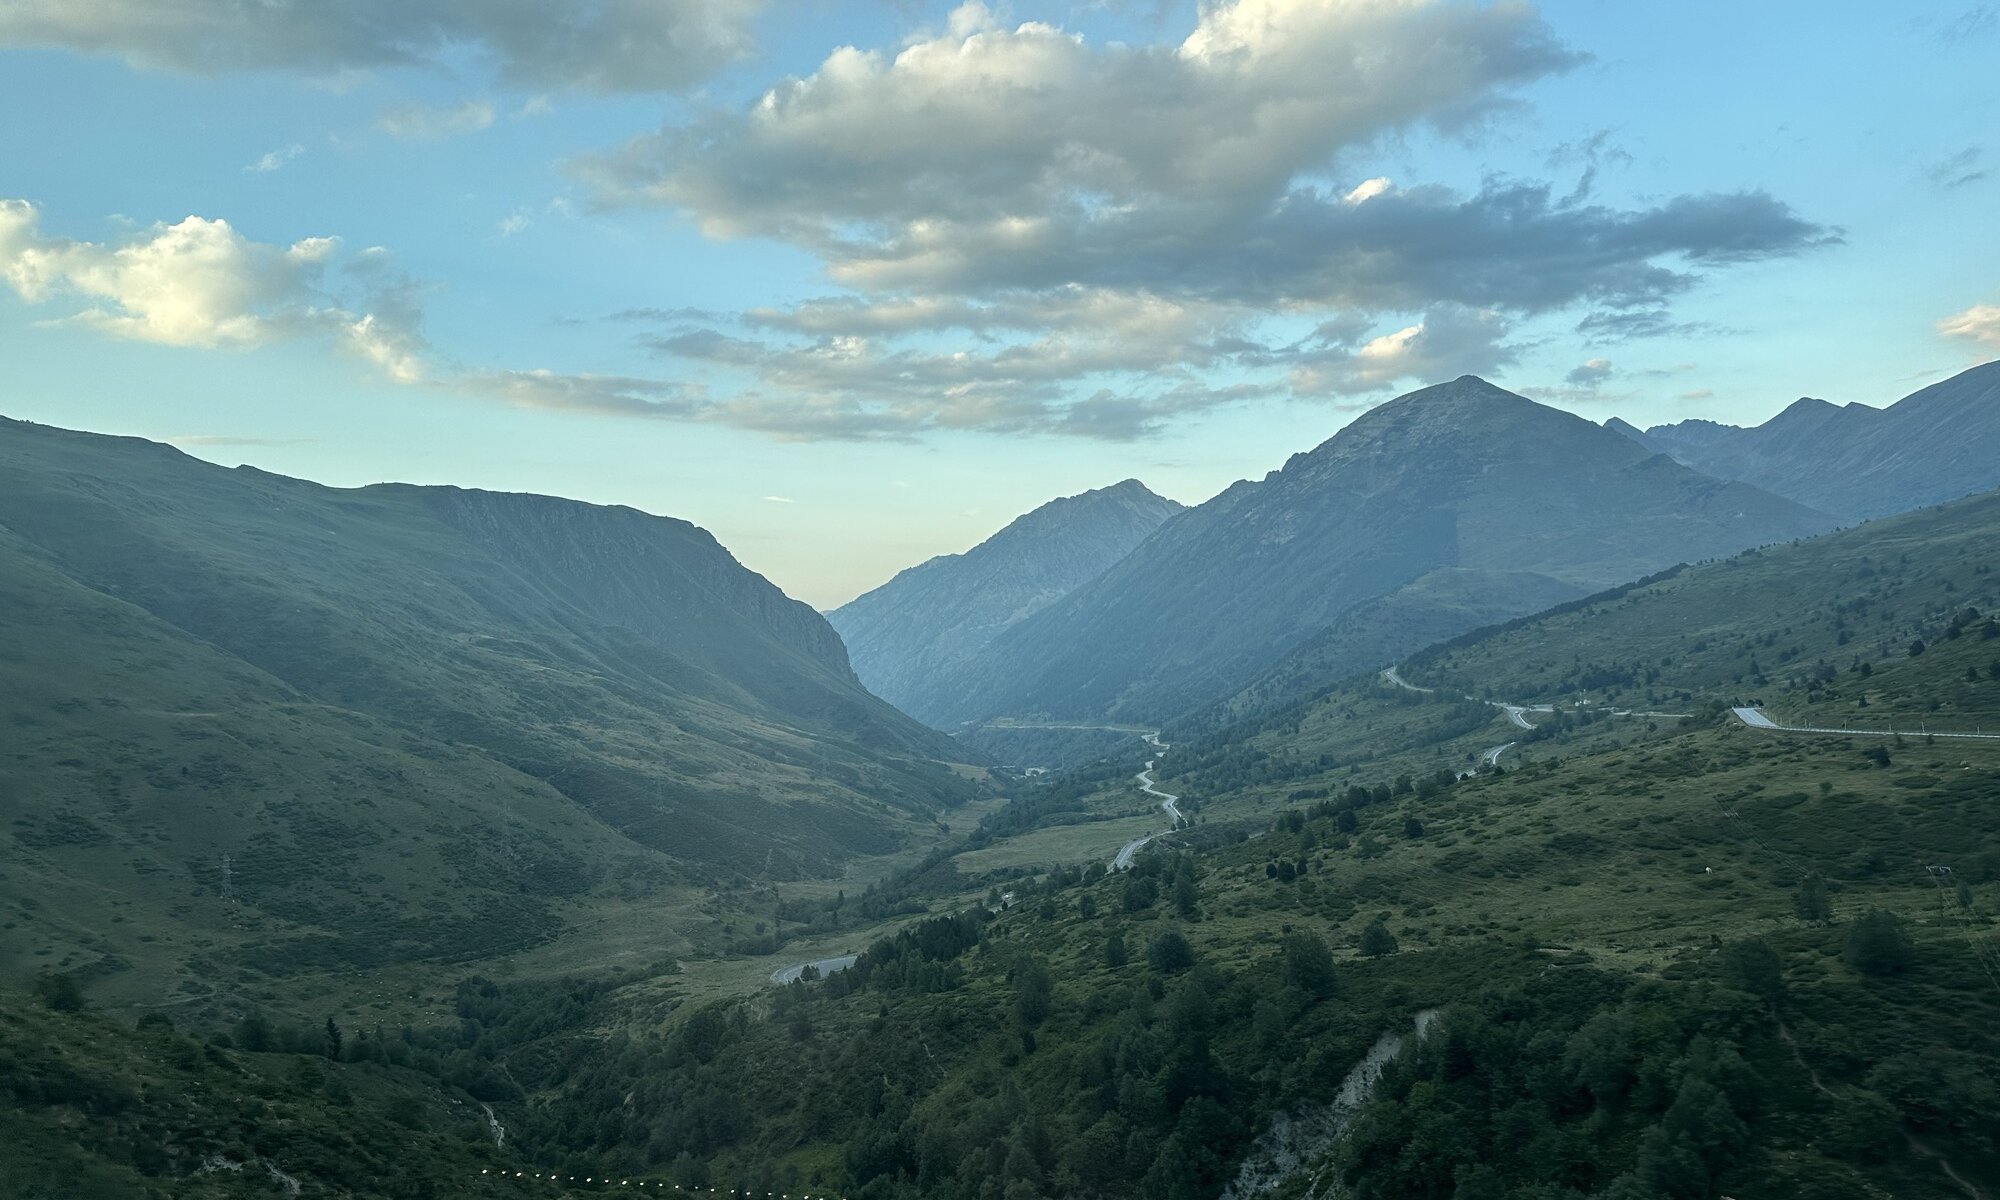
x: 93, y: 1109
x: 1819, y: 631
x: 262, y: 732
x: 1646, y: 957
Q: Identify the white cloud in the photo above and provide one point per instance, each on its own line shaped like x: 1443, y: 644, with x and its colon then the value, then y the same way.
x: 1367, y: 190
x: 275, y: 160
x: 1006, y: 133
x: 602, y: 46
x: 781, y: 500
x: 1027, y: 222
x: 515, y: 222
x: 989, y: 158
x: 1980, y: 323
x: 201, y: 283
x: 420, y: 123
x: 1450, y: 341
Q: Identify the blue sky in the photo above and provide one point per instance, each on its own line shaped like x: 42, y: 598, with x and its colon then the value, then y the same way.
x: 852, y: 284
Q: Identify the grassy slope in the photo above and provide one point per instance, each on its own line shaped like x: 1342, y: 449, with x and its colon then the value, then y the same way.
x: 1599, y: 884
x: 133, y: 771
x: 1788, y: 626
x: 416, y: 742
x: 91, y: 1109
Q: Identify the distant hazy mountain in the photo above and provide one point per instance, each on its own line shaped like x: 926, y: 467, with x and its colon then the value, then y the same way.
x: 337, y: 728
x: 909, y: 638
x: 1855, y: 461
x: 1461, y: 475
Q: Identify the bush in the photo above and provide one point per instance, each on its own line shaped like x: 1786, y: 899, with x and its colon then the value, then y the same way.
x: 1376, y: 940
x: 1309, y: 964
x: 1170, y: 953
x: 1879, y: 945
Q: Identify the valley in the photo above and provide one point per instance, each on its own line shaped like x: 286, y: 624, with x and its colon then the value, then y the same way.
x: 999, y: 600
x: 1700, y: 835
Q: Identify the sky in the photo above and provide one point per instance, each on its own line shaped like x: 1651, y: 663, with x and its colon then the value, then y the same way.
x: 853, y: 284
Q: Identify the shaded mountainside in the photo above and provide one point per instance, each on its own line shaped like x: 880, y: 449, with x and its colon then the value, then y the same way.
x: 1937, y: 444
x: 910, y: 637
x: 350, y: 727
x: 1426, y: 610
x: 1462, y: 475
x: 1821, y: 631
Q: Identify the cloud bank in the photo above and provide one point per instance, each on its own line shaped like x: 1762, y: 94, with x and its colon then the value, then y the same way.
x: 1024, y: 232
x: 1003, y: 202
x: 601, y: 46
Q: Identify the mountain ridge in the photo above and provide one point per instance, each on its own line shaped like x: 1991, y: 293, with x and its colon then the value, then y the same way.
x: 1938, y: 443
x: 395, y: 722
x: 909, y: 634
x: 1461, y: 474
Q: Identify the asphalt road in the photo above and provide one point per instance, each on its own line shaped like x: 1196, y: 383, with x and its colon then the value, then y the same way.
x: 1755, y: 719
x: 825, y: 966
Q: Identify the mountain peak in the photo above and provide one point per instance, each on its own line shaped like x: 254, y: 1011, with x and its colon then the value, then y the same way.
x: 906, y: 636
x: 1065, y: 514
x: 1465, y: 412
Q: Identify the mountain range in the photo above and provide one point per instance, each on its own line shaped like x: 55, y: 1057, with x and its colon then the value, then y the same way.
x: 1852, y: 460
x: 1441, y: 510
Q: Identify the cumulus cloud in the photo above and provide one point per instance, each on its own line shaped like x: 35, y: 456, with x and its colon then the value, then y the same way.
x: 202, y: 283
x: 421, y: 123
x: 993, y: 157
x: 988, y: 128
x: 1037, y: 234
x: 1590, y: 374
x: 602, y: 46
x: 1451, y: 340
x: 1023, y: 190
x: 1980, y: 323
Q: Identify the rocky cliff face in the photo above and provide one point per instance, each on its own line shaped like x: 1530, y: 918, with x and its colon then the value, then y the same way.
x: 908, y: 637
x: 1934, y: 445
x: 1462, y: 475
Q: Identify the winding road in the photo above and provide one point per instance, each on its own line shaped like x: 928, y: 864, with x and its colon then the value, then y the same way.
x: 1517, y: 714
x: 825, y: 966
x: 1169, y: 803
x: 1755, y: 719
